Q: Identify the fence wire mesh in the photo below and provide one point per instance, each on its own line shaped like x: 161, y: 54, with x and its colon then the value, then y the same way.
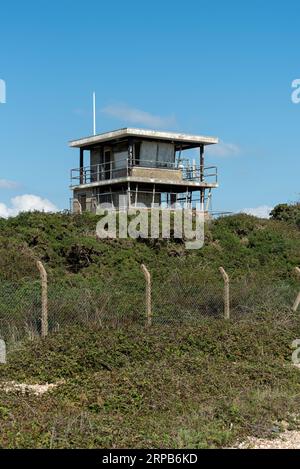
x: 20, y: 311
x: 180, y: 300
x: 110, y: 303
x: 120, y: 301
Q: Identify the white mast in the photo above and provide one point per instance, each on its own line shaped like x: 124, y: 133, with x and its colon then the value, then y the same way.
x: 94, y: 112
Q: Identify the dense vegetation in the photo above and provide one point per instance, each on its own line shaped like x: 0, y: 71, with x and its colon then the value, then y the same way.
x: 70, y: 250
x: 87, y: 274
x: 289, y: 213
x: 204, y: 386
x: 201, y: 385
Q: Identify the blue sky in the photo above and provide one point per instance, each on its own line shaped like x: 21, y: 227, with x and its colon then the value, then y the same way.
x: 214, y: 68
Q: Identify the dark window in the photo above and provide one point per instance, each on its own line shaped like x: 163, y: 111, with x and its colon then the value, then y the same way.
x: 137, y: 151
x: 107, y: 159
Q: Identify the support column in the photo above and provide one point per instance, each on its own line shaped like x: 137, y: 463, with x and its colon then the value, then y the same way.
x: 202, y: 190
x: 81, y: 165
x: 153, y: 196
x: 130, y: 156
x: 128, y: 195
x: 208, y: 200
x: 136, y: 195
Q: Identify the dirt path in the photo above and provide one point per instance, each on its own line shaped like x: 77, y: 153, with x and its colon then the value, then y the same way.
x: 286, y: 440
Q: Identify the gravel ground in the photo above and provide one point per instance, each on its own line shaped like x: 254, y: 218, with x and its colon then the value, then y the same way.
x: 286, y: 440
x: 23, y: 388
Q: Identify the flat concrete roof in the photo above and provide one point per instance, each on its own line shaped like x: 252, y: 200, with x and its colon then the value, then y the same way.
x: 115, y: 135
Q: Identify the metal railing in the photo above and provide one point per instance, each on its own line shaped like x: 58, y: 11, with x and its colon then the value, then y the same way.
x: 194, y: 173
x: 99, y: 172
x: 144, y: 199
x: 107, y: 171
x: 151, y: 199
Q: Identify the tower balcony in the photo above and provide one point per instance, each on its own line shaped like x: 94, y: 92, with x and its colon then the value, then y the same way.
x: 144, y: 171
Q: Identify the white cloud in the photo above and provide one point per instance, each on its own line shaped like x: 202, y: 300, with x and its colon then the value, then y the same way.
x: 263, y: 211
x: 136, y: 116
x: 3, y: 211
x: 80, y: 112
x: 6, y: 184
x: 223, y: 149
x: 26, y: 203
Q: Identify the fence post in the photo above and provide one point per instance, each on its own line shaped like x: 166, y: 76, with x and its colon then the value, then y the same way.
x: 148, y: 294
x: 44, y: 283
x: 2, y: 351
x: 226, y: 293
x: 297, y: 300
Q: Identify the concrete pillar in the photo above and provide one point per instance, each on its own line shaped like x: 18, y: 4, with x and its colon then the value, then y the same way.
x: 202, y: 190
x: 81, y: 165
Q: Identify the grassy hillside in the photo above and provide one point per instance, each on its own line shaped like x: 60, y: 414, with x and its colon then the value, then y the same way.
x: 68, y: 246
x: 201, y: 385
x: 89, y: 276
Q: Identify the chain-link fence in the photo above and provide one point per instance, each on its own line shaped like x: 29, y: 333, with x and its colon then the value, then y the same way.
x: 20, y: 311
x: 180, y: 299
x: 110, y: 303
x: 120, y: 301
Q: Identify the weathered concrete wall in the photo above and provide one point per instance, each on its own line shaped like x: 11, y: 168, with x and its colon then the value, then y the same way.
x: 158, y: 173
x: 83, y: 201
x: 76, y: 206
x: 95, y: 157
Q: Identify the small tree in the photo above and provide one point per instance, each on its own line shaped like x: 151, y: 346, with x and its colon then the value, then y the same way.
x: 289, y: 213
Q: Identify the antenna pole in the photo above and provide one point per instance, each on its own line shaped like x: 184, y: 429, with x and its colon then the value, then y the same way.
x: 94, y: 112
